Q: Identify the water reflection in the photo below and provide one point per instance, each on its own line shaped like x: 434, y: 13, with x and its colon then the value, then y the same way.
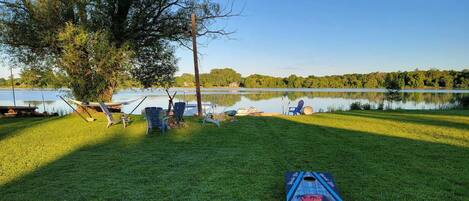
x: 372, y: 97
x: 268, y: 100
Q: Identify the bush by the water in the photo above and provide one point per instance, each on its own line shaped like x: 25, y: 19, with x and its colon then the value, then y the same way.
x: 464, y: 102
x: 360, y: 106
x: 356, y: 106
x: 381, y: 106
x: 366, y: 106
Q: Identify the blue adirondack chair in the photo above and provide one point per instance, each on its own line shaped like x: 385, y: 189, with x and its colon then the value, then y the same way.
x: 156, y: 119
x: 179, y: 108
x: 296, y: 110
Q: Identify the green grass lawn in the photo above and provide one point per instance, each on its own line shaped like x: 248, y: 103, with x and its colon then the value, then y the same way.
x: 373, y: 155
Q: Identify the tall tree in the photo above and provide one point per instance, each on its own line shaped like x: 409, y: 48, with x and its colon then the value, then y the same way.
x: 393, y: 83
x: 147, y: 30
x: 224, y: 77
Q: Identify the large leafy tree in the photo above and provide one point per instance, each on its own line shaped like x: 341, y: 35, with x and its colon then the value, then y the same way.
x: 70, y: 35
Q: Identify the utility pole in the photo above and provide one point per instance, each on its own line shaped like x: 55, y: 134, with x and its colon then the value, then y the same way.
x: 13, y: 86
x: 196, y: 64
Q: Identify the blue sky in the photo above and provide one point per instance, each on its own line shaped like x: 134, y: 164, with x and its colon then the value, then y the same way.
x: 324, y: 37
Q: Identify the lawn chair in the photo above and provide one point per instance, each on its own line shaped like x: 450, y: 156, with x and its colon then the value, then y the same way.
x: 179, y: 108
x: 296, y: 110
x: 110, y: 120
x: 156, y: 119
x: 209, y: 116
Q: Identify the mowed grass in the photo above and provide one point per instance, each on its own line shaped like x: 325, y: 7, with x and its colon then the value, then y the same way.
x: 373, y: 155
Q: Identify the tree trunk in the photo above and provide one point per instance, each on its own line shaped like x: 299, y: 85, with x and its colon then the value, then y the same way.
x: 106, y: 96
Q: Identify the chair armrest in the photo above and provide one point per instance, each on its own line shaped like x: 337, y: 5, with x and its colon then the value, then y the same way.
x: 164, y: 120
x: 125, y: 118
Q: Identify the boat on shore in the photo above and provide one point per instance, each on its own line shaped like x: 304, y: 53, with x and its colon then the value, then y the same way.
x: 13, y: 111
x: 247, y: 111
x: 191, y: 109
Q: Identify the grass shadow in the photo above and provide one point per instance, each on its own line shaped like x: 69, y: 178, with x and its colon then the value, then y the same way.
x: 11, y: 126
x: 406, y: 117
x: 246, y: 161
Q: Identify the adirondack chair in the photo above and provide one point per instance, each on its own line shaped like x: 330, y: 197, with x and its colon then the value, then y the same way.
x: 110, y: 120
x: 179, y: 108
x: 296, y: 110
x: 208, y: 116
x: 156, y: 119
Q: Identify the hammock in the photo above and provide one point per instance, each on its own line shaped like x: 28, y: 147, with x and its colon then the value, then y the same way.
x: 96, y: 104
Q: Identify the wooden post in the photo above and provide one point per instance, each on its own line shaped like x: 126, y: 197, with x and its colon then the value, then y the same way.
x: 196, y: 65
x: 13, y: 86
x: 43, y: 102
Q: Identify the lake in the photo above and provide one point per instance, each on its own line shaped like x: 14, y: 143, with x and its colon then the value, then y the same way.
x: 267, y: 100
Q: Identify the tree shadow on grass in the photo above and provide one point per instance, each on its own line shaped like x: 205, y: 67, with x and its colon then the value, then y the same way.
x: 246, y: 161
x: 10, y: 126
x: 404, y: 117
x: 445, y: 112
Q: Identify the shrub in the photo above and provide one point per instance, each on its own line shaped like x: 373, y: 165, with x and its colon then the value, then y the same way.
x: 356, y: 106
x: 464, y: 102
x: 366, y: 106
x: 381, y: 106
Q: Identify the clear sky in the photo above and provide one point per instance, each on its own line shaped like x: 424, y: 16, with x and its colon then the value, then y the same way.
x: 323, y: 37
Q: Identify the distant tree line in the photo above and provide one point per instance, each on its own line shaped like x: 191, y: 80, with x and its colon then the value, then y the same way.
x: 407, y: 79
x: 228, y: 77
x: 225, y: 77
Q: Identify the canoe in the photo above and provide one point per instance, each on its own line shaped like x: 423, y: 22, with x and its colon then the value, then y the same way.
x: 248, y: 111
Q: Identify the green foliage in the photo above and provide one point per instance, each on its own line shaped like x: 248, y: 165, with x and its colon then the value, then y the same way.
x: 149, y: 29
x: 155, y: 66
x: 359, y: 106
x: 366, y: 106
x: 392, y: 81
x: 356, y: 106
x: 42, y: 77
x: 464, y: 101
x: 100, y: 63
x: 372, y: 81
x: 225, y: 77
x: 185, y: 80
x: 294, y: 81
x: 3, y: 81
x: 263, y: 81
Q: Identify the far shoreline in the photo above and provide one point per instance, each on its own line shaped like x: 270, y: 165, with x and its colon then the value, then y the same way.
x: 379, y: 90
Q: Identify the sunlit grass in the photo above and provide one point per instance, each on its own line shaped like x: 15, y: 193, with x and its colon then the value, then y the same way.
x: 403, y: 155
x: 38, y: 142
x: 444, y: 128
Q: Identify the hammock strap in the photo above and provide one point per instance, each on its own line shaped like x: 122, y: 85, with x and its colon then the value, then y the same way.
x: 73, y: 108
x: 138, y: 104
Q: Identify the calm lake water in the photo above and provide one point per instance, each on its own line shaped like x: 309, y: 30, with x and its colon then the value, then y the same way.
x: 267, y: 100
